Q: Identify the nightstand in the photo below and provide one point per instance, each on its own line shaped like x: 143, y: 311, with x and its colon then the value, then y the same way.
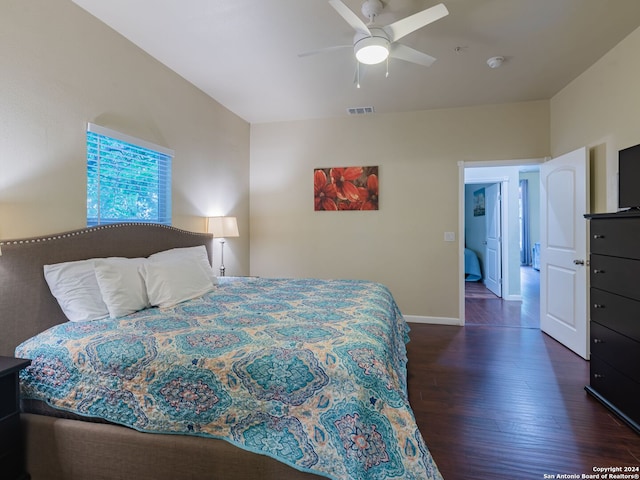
x: 11, y: 445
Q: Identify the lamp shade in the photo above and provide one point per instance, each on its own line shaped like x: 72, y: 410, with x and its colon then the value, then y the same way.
x: 223, y: 227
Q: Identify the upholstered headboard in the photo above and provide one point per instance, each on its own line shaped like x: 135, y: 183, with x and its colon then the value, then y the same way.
x: 26, y: 304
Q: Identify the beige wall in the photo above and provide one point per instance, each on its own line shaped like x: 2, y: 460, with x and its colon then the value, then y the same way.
x: 601, y: 110
x: 401, y: 245
x: 61, y: 68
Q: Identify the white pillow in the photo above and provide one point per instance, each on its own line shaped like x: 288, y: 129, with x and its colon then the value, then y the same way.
x: 198, y: 253
x: 121, y: 285
x: 177, y: 275
x: 75, y: 286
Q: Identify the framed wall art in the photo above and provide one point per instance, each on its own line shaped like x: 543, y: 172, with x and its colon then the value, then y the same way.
x: 478, y: 203
x: 345, y: 188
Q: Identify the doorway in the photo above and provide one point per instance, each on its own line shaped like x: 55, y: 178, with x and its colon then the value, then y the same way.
x: 519, y: 304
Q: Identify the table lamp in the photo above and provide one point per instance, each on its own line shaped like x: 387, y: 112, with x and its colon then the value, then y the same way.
x: 223, y: 227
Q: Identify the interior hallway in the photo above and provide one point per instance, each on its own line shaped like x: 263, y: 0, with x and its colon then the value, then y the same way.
x: 483, y: 308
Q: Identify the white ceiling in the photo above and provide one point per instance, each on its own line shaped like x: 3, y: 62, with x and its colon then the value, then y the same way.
x: 244, y: 53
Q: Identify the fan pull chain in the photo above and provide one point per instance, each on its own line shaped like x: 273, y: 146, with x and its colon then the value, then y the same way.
x: 387, y: 75
x: 358, y: 74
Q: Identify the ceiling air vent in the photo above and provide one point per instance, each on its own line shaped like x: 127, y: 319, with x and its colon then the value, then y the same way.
x: 360, y: 110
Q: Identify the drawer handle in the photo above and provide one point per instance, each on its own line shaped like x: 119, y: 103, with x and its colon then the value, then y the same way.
x: 595, y: 270
x: 598, y: 340
x: 597, y: 236
x: 598, y: 375
x: 598, y: 305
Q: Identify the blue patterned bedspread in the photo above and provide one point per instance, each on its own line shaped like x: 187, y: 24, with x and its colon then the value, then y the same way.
x: 310, y: 372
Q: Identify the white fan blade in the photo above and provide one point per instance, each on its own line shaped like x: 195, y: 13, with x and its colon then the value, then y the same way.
x: 409, y: 24
x: 352, y: 19
x: 324, y: 50
x: 409, y: 54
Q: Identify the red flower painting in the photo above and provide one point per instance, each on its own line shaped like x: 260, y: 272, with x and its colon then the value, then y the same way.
x: 345, y: 188
x: 324, y: 192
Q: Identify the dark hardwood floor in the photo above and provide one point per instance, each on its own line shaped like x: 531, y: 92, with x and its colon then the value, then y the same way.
x: 483, y: 308
x: 504, y: 403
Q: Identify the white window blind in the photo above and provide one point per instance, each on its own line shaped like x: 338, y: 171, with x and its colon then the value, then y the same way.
x: 128, y: 179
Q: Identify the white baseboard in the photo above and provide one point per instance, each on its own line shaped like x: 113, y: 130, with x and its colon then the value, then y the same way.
x: 433, y: 320
x: 513, y: 298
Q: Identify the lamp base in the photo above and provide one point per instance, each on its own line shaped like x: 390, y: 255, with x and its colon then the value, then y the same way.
x: 222, y: 258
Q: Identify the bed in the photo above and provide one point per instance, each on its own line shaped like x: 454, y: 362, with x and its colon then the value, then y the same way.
x: 254, y: 378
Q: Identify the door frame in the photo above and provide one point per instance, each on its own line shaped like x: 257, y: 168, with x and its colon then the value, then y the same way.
x: 504, y: 218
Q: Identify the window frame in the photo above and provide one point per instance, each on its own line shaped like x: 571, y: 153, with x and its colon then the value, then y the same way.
x: 163, y: 156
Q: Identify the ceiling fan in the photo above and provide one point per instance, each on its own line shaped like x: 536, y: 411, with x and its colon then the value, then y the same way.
x: 374, y: 44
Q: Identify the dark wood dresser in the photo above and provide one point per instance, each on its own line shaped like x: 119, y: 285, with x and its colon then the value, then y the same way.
x: 11, y: 445
x: 615, y: 313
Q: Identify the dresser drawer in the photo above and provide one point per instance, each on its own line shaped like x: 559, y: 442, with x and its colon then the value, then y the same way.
x: 618, y: 389
x: 615, y: 312
x: 616, y: 275
x: 619, y: 237
x: 619, y: 351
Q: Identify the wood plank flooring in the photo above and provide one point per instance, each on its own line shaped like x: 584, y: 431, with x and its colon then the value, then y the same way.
x: 505, y: 403
x: 483, y: 308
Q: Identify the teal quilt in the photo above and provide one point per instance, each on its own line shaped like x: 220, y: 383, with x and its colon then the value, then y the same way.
x: 309, y: 372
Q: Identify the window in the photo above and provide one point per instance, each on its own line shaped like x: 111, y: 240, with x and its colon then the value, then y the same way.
x: 128, y: 180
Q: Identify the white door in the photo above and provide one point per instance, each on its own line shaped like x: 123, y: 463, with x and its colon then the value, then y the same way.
x: 493, y: 249
x: 564, y: 199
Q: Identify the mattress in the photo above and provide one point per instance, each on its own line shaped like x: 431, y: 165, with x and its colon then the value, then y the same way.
x: 309, y: 372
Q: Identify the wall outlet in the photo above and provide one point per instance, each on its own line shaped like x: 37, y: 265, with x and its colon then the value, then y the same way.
x: 449, y: 236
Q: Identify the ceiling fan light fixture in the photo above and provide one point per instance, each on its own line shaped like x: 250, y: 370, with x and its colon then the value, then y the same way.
x: 372, y: 50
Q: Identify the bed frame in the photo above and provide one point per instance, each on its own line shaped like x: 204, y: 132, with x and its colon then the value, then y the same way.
x: 63, y: 449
